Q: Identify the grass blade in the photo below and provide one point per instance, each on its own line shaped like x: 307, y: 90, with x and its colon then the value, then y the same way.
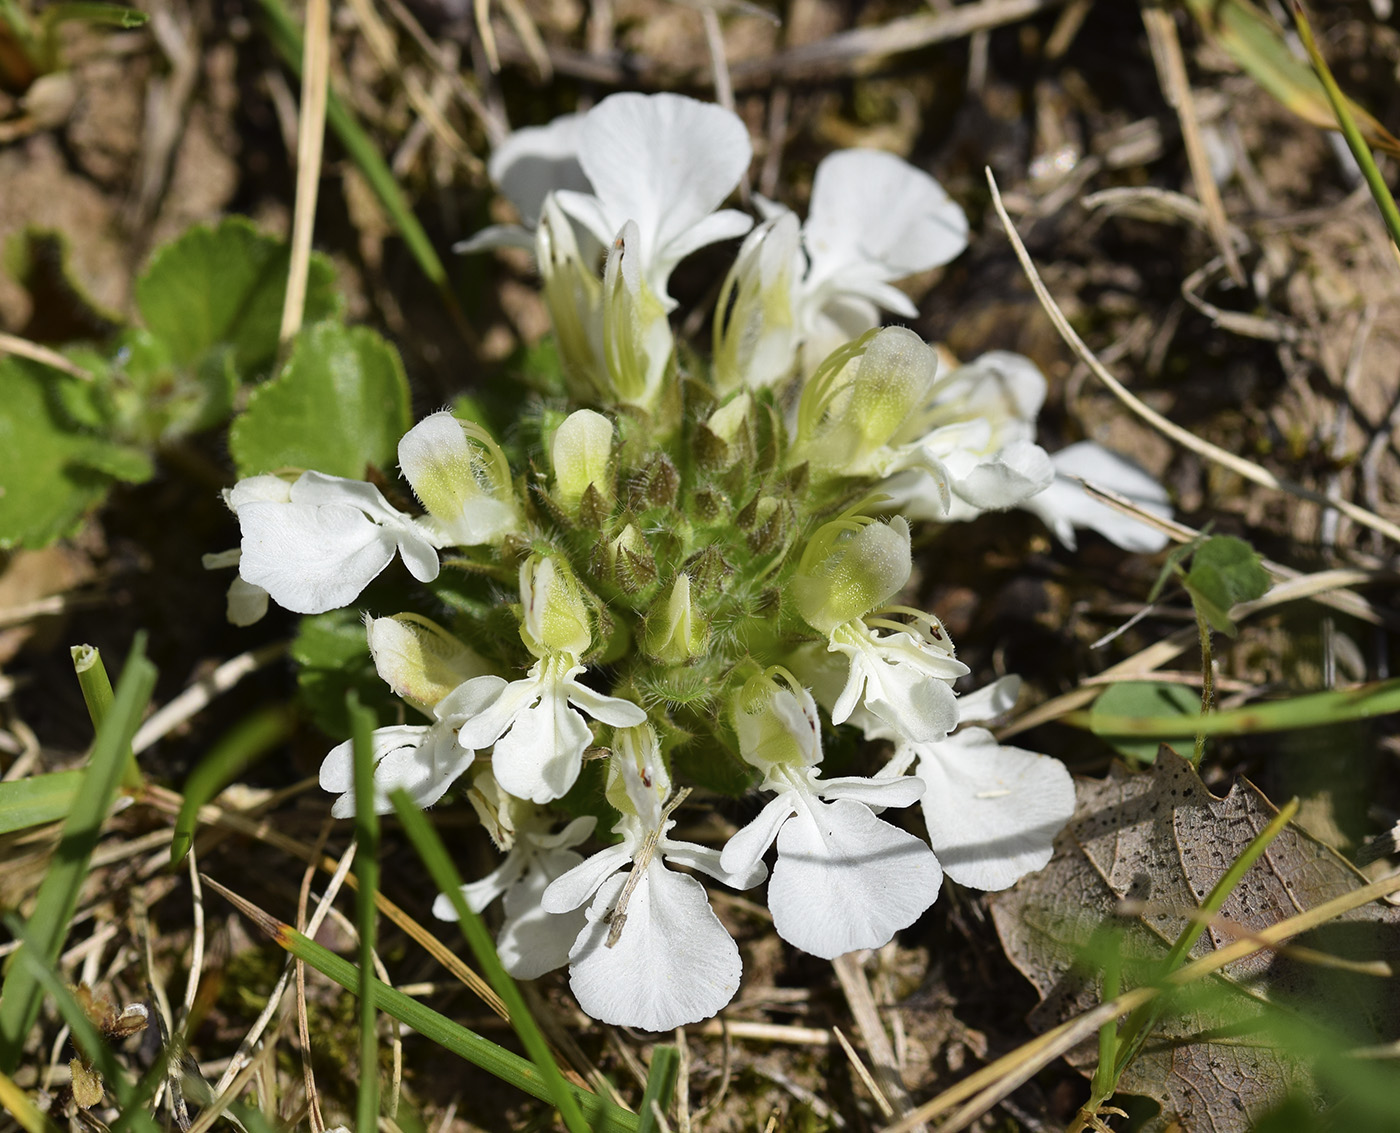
x: 34, y: 801
x: 1347, y: 121
x: 1313, y: 710
x: 237, y: 750
x: 448, y: 881
x: 97, y: 696
x: 58, y: 893
x: 1257, y: 44
x: 603, y: 1116
x: 367, y: 876
x: 285, y: 36
x: 661, y: 1083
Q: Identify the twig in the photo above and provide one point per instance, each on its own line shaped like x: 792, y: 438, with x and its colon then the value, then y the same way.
x: 1245, y: 468
x: 197, y: 697
x: 1176, y: 87
x: 23, y: 348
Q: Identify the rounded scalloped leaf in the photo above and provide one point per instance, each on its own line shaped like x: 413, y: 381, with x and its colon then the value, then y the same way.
x: 340, y: 403
x: 227, y: 285
x: 54, y: 471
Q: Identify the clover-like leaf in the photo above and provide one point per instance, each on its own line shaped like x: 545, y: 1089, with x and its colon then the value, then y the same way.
x: 226, y: 285
x: 55, y: 468
x: 1224, y: 571
x: 1141, y: 698
x: 333, y: 654
x: 340, y: 403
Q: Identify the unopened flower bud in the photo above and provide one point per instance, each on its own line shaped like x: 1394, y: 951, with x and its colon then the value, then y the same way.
x: 461, y: 476
x: 637, y: 342
x: 556, y: 615
x: 846, y: 572
x: 853, y: 407
x: 776, y: 725
x: 676, y: 629
x: 580, y: 453
x: 419, y: 660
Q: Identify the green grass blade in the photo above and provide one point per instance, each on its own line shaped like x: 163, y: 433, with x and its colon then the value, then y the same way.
x: 286, y: 37
x: 17, y: 1104
x: 448, y: 881
x: 34, y: 801
x: 58, y: 893
x: 367, y: 877
x: 603, y: 1115
x: 237, y: 750
x: 1347, y: 121
x: 97, y: 696
x: 131, y: 1099
x: 1139, y: 1024
x: 1313, y: 710
x: 661, y: 1084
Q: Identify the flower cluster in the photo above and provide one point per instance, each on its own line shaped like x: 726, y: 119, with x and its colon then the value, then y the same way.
x: 668, y: 576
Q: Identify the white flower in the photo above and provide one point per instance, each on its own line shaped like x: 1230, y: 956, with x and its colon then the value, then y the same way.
x: 844, y: 878
x: 317, y: 549
x: 246, y: 603
x: 529, y: 165
x: 968, y: 446
x: 653, y: 954
x: 664, y: 162
x: 531, y: 941
x: 637, y: 340
x: 903, y: 675
x: 536, y: 723
x: 1065, y: 505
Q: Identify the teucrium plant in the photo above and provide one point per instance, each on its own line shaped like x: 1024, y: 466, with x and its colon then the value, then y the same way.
x: 677, y: 579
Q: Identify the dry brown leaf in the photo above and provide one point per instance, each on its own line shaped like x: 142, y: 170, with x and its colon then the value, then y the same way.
x: 87, y: 1084
x: 1161, y: 841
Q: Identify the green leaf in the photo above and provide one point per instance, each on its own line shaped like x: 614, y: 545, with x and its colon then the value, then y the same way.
x: 1224, y: 570
x: 36, y: 800
x: 1132, y: 700
x: 54, y: 471
x: 333, y: 653
x: 340, y: 403
x: 225, y: 285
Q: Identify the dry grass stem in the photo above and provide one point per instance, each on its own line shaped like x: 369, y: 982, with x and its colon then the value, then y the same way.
x: 1245, y: 468
x: 23, y: 348
x: 197, y: 697
x: 311, y: 136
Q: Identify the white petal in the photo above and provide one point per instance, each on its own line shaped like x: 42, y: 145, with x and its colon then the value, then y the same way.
x: 666, y: 162
x: 442, y: 465
x: 575, y: 887
x: 268, y: 489
x: 708, y: 860
x: 612, y: 710
x: 418, y: 551
x: 481, y: 892
x: 1065, y: 504
x: 992, y: 811
x: 989, y: 701
x: 743, y: 851
x: 404, y: 755
x: 497, y: 236
x: 246, y: 603
x: 537, y: 160
x: 884, y: 793
x: 673, y: 964
x: 318, y: 488
x: 541, y: 754
x: 917, y: 705
x: 486, y: 706
x: 312, y: 558
x: 532, y: 941
x: 879, y: 217
x: 846, y: 880
x: 1006, y: 478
